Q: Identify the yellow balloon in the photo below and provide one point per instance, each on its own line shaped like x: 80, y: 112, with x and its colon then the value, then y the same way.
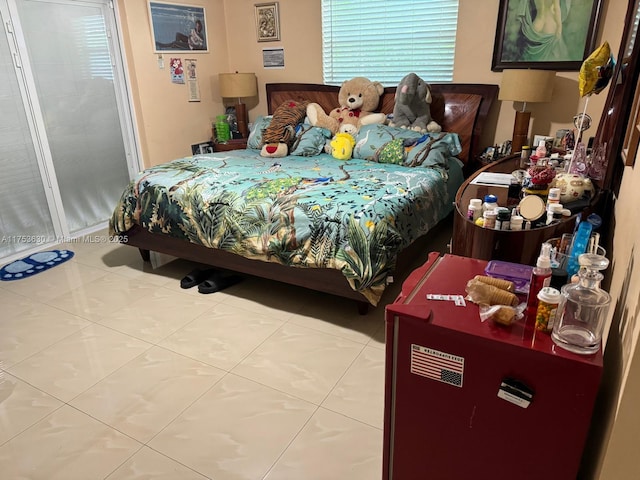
x: 590, y: 70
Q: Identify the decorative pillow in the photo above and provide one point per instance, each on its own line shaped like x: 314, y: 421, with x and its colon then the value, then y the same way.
x: 371, y: 138
x: 384, y: 144
x: 309, y: 140
x: 255, y: 136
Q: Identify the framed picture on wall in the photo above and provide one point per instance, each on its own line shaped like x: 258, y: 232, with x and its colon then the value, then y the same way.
x: 545, y: 34
x: 267, y: 22
x: 178, y: 28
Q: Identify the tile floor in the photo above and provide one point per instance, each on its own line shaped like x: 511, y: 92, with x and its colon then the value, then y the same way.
x: 110, y: 370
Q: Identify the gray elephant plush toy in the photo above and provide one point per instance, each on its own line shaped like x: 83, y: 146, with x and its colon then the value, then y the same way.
x: 413, y: 105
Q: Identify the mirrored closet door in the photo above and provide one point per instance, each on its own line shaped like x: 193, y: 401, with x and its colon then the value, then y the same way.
x: 66, y: 138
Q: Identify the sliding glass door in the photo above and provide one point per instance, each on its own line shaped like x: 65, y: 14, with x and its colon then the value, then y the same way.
x: 62, y: 60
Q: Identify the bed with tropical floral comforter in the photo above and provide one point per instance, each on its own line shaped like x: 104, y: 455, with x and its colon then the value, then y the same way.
x: 302, y: 211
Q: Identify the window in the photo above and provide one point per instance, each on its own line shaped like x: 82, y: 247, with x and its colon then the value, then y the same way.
x: 384, y: 40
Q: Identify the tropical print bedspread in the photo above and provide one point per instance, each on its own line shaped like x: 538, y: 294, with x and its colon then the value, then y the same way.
x: 317, y: 212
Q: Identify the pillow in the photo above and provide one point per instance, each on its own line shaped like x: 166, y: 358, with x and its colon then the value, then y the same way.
x: 384, y: 144
x: 371, y: 138
x: 309, y: 140
x: 255, y: 136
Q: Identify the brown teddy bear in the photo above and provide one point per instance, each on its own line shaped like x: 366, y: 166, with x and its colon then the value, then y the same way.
x: 358, y: 98
x: 281, y: 132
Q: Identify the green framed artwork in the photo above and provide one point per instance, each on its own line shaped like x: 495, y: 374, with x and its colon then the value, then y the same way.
x: 545, y: 34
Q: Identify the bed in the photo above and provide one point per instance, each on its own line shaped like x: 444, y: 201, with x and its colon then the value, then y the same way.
x: 308, y: 219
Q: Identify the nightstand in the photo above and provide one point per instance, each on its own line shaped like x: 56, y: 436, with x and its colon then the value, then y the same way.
x: 471, y: 240
x: 233, y: 144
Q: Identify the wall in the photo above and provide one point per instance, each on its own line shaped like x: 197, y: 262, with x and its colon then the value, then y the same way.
x: 619, y: 421
x: 168, y: 125
x: 167, y: 122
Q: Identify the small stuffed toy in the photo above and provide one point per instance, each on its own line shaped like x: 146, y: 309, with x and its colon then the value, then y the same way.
x: 281, y: 132
x: 413, y: 105
x: 358, y: 98
x: 342, y: 146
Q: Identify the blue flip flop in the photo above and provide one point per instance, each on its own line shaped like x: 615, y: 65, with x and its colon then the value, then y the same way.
x: 36, y: 263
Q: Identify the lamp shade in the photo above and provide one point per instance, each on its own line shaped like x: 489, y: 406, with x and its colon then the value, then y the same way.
x: 527, y: 85
x: 238, y: 85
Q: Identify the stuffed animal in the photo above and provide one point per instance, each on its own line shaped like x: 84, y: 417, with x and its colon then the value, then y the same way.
x: 281, y: 132
x: 413, y: 105
x: 358, y: 98
x: 342, y: 146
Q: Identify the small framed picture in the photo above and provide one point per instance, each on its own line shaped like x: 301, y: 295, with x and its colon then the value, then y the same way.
x: 267, y: 22
x: 202, y: 148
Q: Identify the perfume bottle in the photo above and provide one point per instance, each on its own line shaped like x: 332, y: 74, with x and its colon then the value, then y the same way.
x: 583, y: 308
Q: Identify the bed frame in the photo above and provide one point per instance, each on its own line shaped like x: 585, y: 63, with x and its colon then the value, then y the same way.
x: 460, y: 108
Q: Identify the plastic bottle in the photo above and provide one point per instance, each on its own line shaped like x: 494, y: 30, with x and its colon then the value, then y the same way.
x: 541, y: 151
x: 516, y: 222
x: 489, y: 219
x: 554, y: 213
x: 548, y: 300
x: 553, y: 196
x: 524, y: 156
x: 223, y: 132
x: 490, y: 203
x: 503, y: 218
x: 540, y: 278
x: 474, y: 210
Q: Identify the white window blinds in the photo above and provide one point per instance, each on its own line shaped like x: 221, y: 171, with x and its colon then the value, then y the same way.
x: 384, y: 40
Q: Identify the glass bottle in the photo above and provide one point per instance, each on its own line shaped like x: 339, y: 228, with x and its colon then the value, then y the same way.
x: 583, y: 308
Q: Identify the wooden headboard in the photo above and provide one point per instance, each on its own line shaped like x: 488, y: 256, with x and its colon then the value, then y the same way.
x: 459, y: 108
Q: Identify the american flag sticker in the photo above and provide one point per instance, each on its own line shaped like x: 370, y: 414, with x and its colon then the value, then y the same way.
x: 436, y: 365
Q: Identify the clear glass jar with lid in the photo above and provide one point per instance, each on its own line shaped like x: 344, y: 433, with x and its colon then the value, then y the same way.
x: 583, y: 308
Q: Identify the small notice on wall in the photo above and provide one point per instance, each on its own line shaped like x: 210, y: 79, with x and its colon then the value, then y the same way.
x: 273, y: 57
x: 177, y: 71
x: 192, y: 80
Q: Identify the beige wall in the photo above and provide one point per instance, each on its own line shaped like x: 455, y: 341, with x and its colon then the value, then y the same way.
x: 168, y: 124
x: 621, y: 387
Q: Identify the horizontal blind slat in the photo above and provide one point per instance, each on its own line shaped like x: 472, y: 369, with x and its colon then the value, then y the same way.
x: 378, y: 40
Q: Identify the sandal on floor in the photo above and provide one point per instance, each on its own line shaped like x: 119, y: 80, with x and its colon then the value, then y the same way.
x: 195, y: 277
x: 216, y: 282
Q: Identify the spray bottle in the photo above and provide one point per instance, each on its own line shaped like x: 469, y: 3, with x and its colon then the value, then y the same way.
x: 540, y: 278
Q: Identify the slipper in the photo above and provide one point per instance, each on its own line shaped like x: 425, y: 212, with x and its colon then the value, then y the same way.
x: 217, y: 282
x: 195, y: 277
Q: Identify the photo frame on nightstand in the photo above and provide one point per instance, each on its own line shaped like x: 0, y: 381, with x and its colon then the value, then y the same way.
x: 202, y: 148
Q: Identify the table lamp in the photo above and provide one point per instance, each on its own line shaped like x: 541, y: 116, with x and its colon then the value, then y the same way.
x: 239, y: 85
x: 534, y: 86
